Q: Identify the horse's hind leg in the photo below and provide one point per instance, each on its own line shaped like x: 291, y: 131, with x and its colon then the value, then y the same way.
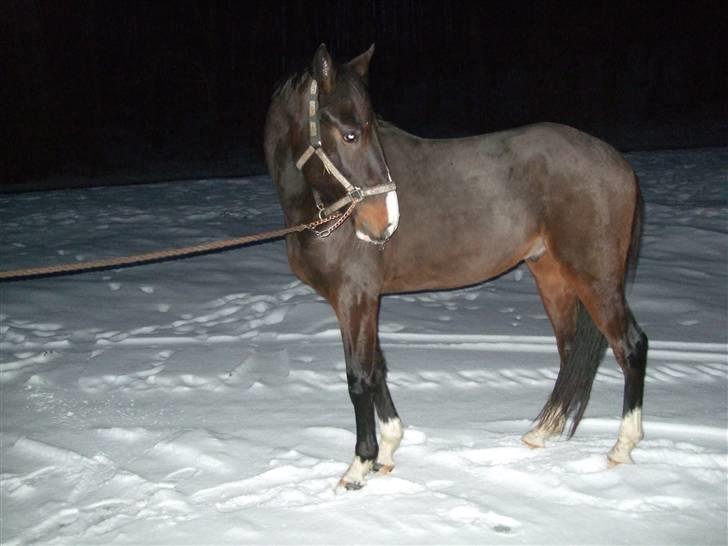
x: 580, y: 346
x: 390, y: 426
x: 630, y: 350
x: 607, y: 306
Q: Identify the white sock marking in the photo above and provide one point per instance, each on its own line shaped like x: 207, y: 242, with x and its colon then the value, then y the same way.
x: 630, y: 433
x: 391, y: 436
x: 537, y: 436
x: 357, y: 472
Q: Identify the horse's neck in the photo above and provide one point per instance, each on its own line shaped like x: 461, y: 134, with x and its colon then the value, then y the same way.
x: 294, y: 193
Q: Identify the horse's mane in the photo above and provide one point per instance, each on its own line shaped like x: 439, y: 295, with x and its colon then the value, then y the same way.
x: 290, y: 85
x: 286, y: 85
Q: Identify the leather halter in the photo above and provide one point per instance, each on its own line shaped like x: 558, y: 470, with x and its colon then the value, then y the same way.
x: 354, y: 194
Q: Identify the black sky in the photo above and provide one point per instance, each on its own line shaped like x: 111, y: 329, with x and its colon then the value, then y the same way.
x: 95, y: 87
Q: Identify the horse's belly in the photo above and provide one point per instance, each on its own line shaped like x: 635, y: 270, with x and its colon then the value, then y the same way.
x: 454, y: 265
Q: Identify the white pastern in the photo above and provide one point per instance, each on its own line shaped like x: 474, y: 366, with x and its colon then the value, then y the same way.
x: 356, y: 476
x: 630, y: 433
x: 537, y: 436
x: 391, y: 436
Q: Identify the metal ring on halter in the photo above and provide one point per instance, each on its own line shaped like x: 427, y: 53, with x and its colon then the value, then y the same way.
x: 356, y: 194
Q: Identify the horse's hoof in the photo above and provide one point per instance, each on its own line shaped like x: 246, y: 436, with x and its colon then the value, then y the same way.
x: 380, y: 468
x: 533, y: 440
x: 613, y: 463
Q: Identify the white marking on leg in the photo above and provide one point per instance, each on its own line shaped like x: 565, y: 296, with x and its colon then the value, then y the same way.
x: 356, y: 475
x: 391, y: 436
x: 630, y: 433
x: 537, y: 436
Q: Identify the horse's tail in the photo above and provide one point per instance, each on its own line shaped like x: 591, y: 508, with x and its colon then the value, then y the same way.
x: 634, y: 245
x: 576, y: 375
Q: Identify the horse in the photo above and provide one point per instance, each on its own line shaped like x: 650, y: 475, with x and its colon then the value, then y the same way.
x: 429, y: 214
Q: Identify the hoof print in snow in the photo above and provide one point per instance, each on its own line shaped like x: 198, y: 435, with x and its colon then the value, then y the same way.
x: 349, y: 486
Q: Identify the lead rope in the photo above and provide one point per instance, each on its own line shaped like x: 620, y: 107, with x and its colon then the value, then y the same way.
x: 339, y: 218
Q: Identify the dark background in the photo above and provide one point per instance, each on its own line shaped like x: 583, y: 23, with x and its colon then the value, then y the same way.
x: 103, y: 92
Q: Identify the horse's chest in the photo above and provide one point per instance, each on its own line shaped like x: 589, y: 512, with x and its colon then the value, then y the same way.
x: 300, y: 267
x: 310, y: 267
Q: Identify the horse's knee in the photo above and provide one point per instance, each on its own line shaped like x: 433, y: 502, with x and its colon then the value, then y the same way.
x: 361, y: 382
x: 360, y: 386
x: 357, y: 387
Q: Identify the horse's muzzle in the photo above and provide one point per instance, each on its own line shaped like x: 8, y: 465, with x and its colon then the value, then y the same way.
x: 377, y: 218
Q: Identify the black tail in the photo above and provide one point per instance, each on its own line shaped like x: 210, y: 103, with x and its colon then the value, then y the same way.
x: 576, y: 375
x: 634, y: 245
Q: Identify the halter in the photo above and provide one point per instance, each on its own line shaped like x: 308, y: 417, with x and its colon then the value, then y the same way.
x: 354, y: 194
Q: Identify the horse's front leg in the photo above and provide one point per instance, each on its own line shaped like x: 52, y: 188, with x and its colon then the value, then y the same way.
x: 358, y: 317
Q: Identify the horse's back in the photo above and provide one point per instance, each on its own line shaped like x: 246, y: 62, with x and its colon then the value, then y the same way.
x: 569, y: 152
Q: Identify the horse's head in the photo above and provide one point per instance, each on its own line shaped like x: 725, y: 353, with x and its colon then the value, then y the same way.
x: 343, y: 158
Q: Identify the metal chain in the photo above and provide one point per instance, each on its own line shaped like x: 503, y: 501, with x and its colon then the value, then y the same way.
x: 342, y: 218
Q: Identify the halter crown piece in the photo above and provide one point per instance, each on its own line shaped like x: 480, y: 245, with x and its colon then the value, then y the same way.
x: 354, y: 194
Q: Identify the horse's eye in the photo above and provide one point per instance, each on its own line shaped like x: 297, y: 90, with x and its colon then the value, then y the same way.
x: 351, y: 137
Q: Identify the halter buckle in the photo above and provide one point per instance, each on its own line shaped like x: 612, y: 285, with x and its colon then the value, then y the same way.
x: 356, y: 194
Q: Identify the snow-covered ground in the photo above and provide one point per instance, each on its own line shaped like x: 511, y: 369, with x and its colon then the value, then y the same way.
x: 204, y: 400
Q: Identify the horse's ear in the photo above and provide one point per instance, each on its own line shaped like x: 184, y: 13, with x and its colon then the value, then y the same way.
x: 323, y: 69
x: 360, y: 64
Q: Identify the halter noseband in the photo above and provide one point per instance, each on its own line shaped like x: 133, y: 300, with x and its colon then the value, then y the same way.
x: 354, y: 194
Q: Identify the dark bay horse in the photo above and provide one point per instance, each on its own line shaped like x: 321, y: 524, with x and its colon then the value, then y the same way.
x: 454, y: 213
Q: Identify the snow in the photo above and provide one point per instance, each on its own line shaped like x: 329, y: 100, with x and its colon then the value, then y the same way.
x: 204, y: 400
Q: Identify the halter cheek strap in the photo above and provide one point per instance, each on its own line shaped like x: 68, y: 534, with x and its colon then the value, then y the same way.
x: 353, y: 193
